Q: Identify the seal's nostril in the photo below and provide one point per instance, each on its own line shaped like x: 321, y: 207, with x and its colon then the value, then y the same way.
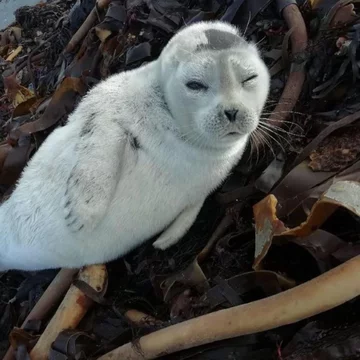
x: 231, y: 114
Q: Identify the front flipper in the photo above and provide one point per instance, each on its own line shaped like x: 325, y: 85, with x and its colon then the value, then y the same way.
x: 92, y: 182
x: 179, y: 227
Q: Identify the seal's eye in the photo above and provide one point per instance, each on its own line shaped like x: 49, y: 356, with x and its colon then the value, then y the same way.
x: 196, y: 86
x: 252, y: 77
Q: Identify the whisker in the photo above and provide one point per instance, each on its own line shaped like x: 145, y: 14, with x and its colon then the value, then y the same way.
x: 248, y: 23
x: 278, y: 128
x: 283, y: 121
x: 275, y: 133
x: 266, y: 121
x: 266, y: 141
x: 261, y: 40
x: 253, y: 141
x: 277, y: 101
x: 284, y: 112
x: 273, y: 138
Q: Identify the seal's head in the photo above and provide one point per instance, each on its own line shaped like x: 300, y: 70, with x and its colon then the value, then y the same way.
x: 214, y: 82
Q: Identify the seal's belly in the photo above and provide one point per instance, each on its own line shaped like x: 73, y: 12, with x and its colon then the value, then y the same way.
x: 147, y: 200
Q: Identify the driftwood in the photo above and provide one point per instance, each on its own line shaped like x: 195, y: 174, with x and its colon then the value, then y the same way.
x: 51, y: 297
x: 71, y: 310
x: 86, y: 26
x: 313, y: 297
x: 140, y: 319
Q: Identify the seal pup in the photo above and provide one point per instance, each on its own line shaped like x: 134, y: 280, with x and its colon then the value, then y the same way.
x: 139, y: 155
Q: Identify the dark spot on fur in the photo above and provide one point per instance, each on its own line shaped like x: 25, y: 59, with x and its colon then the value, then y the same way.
x: 68, y: 216
x: 80, y: 227
x: 133, y: 140
x: 165, y: 107
x: 219, y: 40
x: 88, y: 126
x: 135, y: 143
x: 88, y: 200
x: 71, y: 223
x: 67, y: 203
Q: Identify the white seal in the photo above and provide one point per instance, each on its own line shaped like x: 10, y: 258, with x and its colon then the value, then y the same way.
x: 139, y: 155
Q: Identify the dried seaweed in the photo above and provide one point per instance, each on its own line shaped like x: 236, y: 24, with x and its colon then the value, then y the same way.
x: 313, y: 113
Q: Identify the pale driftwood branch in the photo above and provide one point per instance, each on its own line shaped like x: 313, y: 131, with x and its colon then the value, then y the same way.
x: 51, y: 297
x: 311, y: 298
x: 140, y: 319
x: 71, y: 310
x: 86, y: 26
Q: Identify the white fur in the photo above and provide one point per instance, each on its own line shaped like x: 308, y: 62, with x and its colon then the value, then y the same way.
x: 89, y: 196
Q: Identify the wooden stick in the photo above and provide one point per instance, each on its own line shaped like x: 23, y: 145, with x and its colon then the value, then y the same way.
x: 71, y: 310
x: 51, y: 297
x: 86, y: 26
x: 140, y: 319
x: 325, y: 292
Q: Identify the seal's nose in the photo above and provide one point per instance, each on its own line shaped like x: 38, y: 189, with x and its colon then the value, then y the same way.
x: 231, y: 114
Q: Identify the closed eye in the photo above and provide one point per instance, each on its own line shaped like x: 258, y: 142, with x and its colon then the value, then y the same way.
x: 196, y: 86
x: 252, y: 77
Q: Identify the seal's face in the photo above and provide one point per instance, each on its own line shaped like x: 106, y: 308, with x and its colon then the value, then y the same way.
x: 215, y: 83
